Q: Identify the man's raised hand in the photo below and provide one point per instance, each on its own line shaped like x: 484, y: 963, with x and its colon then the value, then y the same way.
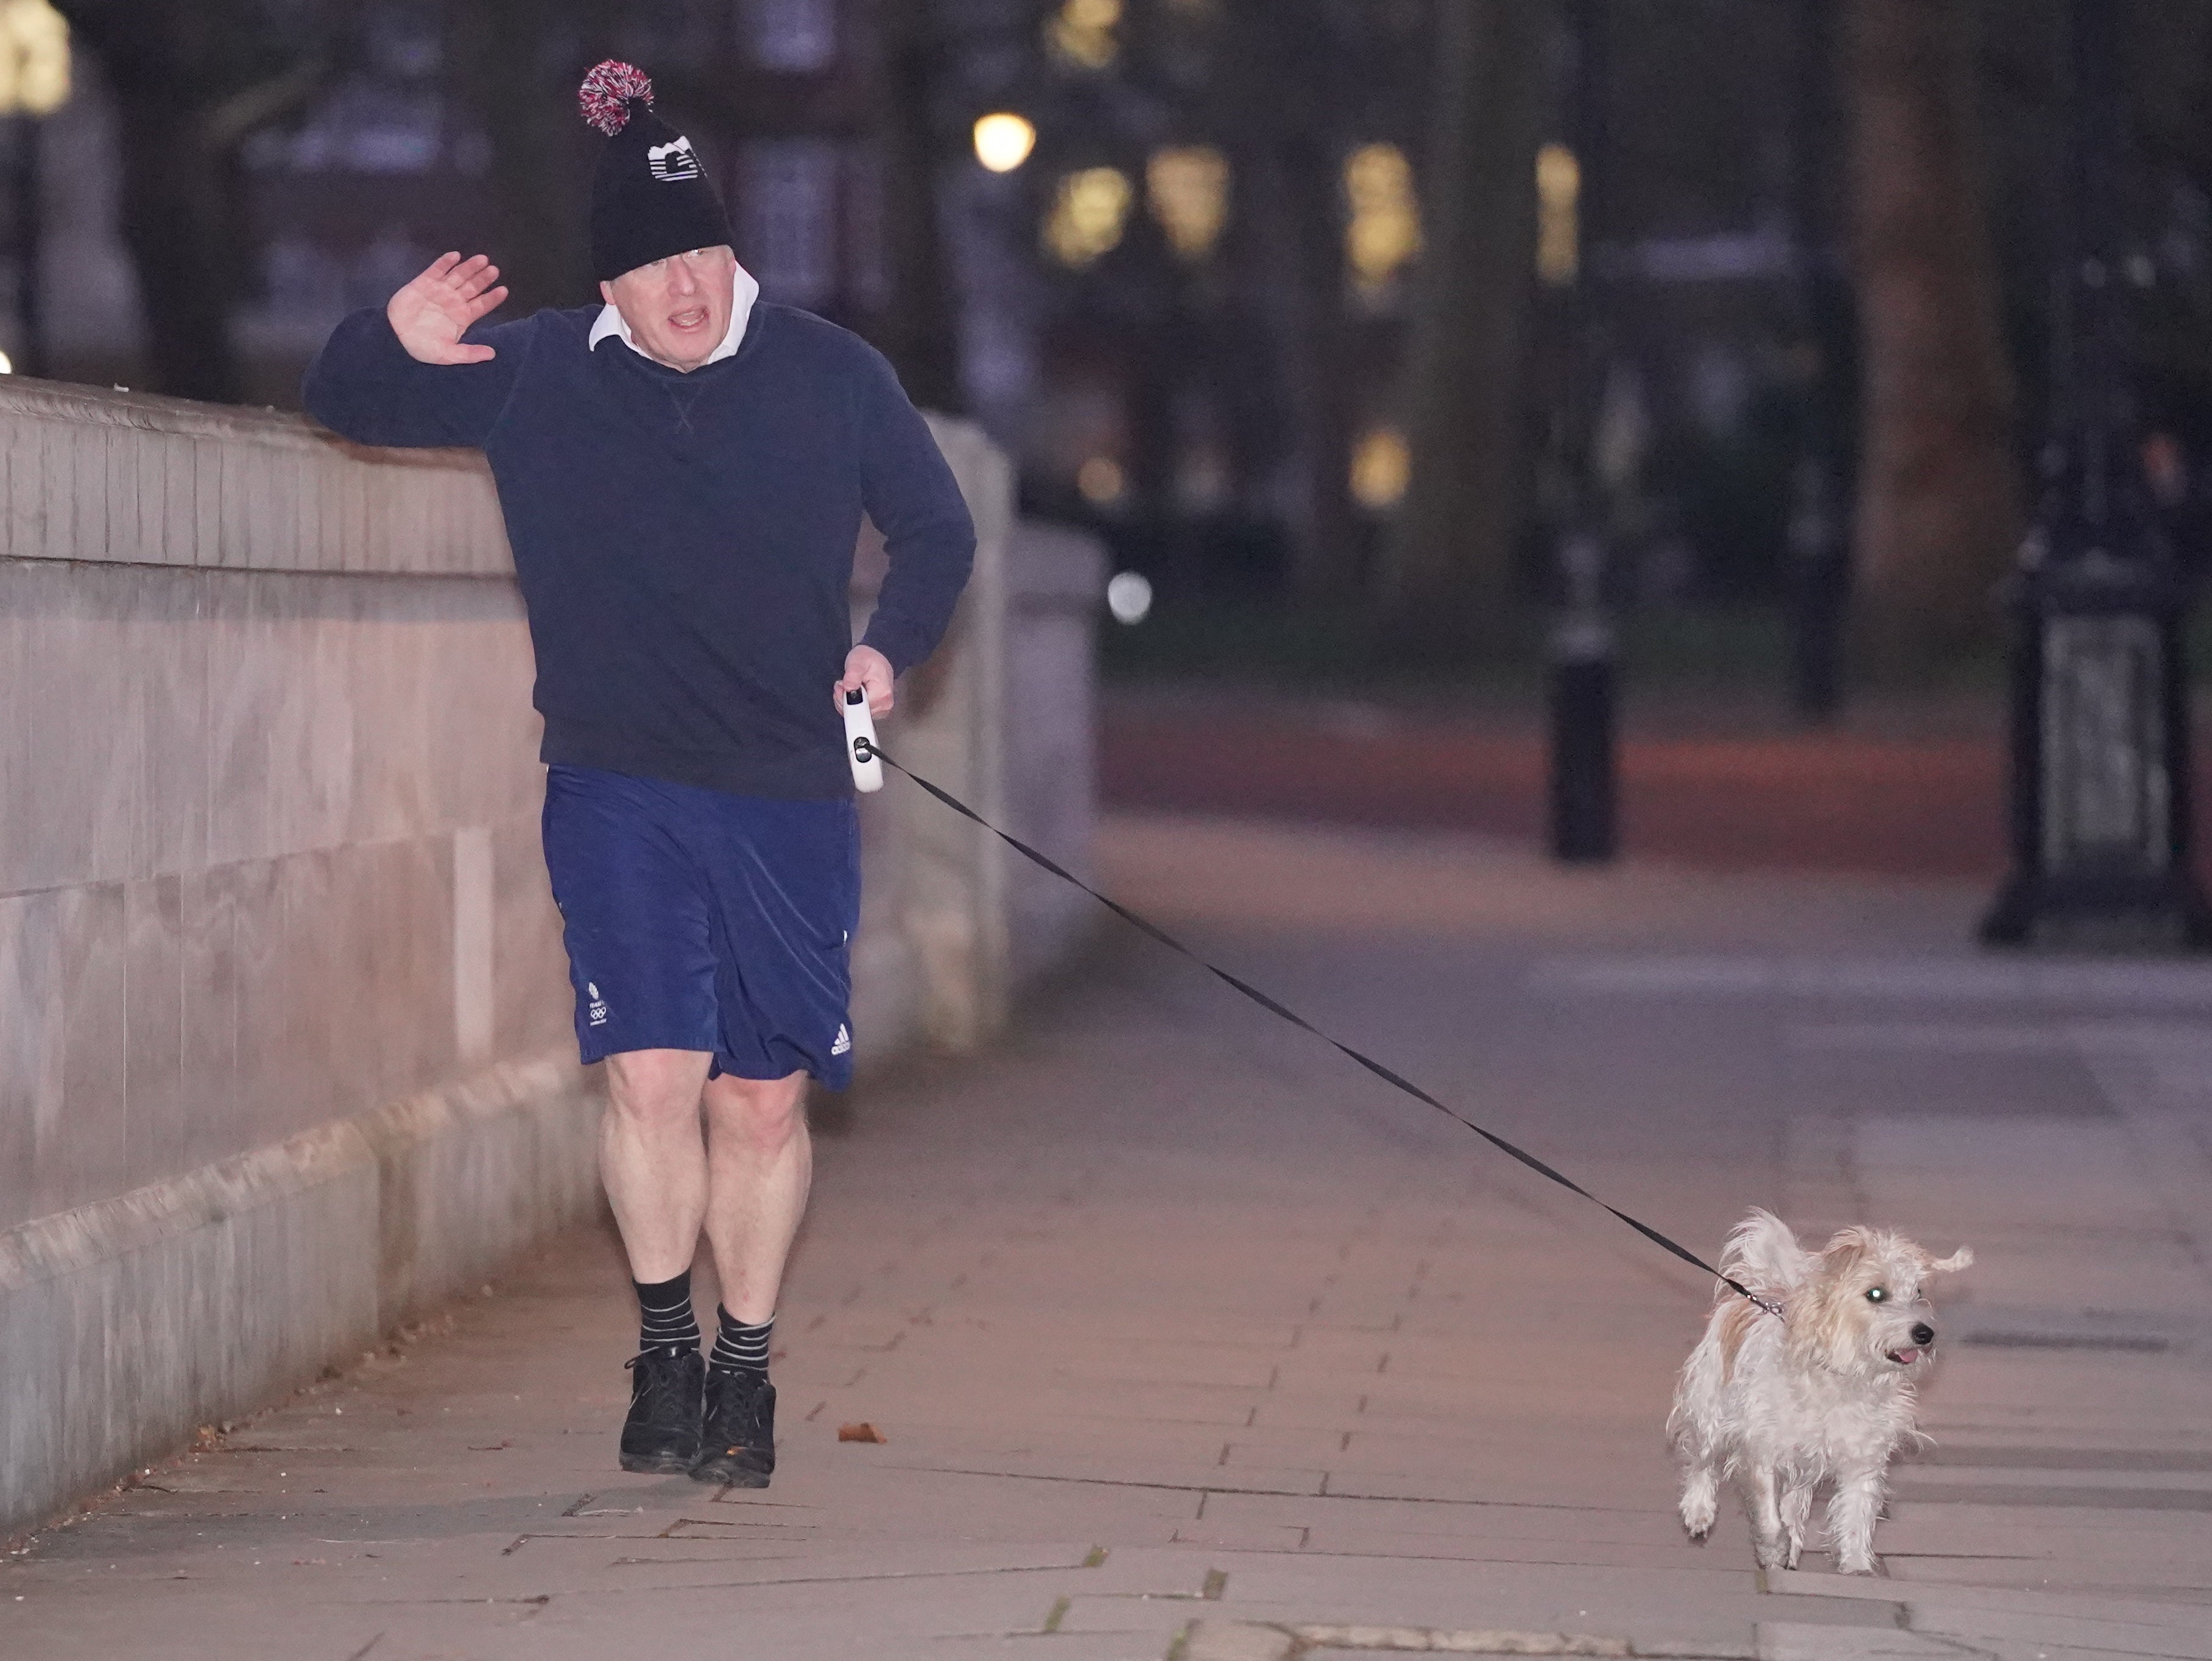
x: 431, y: 314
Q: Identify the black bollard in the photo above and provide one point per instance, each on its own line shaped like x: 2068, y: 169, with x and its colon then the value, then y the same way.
x: 1819, y: 595
x: 1583, y: 652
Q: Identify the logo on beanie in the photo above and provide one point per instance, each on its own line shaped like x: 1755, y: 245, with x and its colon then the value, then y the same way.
x: 673, y: 162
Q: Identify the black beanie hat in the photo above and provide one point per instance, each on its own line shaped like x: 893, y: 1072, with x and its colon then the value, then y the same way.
x: 651, y: 199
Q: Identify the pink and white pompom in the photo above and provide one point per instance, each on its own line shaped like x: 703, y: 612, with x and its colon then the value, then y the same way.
x: 606, y: 92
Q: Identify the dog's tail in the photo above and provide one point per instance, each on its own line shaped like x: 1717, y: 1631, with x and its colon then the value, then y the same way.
x: 1698, y: 1390
x: 1765, y: 1254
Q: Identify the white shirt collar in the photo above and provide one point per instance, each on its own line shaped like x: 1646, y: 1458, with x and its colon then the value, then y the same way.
x: 745, y: 292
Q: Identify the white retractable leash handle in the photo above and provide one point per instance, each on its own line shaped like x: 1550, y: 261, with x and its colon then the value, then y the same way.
x: 868, y: 773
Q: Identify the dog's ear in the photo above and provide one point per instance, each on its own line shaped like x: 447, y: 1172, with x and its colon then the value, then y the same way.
x: 1762, y: 1251
x: 1845, y: 1250
x: 1961, y: 1258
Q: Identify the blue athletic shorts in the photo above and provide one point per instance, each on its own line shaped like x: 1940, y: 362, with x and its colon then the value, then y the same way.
x: 697, y: 919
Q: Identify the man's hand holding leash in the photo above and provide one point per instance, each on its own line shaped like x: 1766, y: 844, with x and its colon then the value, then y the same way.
x: 868, y: 670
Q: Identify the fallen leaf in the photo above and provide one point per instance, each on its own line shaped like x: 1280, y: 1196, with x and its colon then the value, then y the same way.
x: 862, y: 1432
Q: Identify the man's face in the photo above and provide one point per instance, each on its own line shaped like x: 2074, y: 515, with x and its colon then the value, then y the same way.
x: 678, y: 308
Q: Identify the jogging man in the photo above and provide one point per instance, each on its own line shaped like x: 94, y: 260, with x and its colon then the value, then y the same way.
x: 683, y: 472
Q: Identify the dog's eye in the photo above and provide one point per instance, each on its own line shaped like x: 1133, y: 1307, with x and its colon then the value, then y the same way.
x: 1875, y: 1295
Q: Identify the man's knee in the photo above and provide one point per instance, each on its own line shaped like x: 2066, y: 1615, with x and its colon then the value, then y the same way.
x: 760, y: 1113
x: 656, y: 1087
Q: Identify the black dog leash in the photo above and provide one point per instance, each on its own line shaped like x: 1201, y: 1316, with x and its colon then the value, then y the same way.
x: 865, y: 749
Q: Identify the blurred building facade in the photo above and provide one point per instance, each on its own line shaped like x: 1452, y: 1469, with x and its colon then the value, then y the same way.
x: 1186, y: 313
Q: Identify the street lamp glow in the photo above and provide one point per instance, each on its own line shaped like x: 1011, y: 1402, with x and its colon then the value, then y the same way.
x: 1129, y: 597
x: 34, y: 58
x: 1003, y: 140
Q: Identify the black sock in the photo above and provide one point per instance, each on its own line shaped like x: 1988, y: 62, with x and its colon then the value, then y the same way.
x: 738, y: 1347
x: 666, y: 1320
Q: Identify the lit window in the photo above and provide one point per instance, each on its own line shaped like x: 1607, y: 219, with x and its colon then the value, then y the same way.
x: 1382, y: 467
x: 794, y: 37
x: 1086, y: 32
x: 302, y: 280
x: 789, y: 205
x: 1385, y: 228
x: 1189, y: 191
x: 1089, y: 215
x: 1558, y: 229
x: 361, y: 129
x: 1102, y: 481
x: 406, y: 139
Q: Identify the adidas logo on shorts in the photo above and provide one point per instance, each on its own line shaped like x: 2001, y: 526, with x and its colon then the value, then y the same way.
x: 844, y: 1042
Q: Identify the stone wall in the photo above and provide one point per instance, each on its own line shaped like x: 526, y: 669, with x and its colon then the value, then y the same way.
x: 284, y: 1053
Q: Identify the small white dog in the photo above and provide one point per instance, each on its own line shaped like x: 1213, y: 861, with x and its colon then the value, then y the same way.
x: 1822, y: 1393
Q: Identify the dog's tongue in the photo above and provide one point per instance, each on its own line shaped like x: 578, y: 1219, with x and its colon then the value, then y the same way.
x: 1904, y: 1357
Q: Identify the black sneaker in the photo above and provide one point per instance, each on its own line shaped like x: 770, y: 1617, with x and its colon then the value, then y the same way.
x: 738, y: 1444
x: 661, y: 1435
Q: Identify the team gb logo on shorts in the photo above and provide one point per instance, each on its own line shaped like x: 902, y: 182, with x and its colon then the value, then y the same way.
x: 673, y: 162
x: 598, y: 1010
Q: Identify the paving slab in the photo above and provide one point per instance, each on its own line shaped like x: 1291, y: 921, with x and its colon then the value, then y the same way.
x: 1184, y: 1333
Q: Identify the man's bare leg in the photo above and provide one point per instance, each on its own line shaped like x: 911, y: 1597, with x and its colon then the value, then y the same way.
x: 653, y: 1157
x: 760, y: 1162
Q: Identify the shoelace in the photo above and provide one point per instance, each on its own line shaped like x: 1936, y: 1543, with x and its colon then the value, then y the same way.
x: 659, y: 1387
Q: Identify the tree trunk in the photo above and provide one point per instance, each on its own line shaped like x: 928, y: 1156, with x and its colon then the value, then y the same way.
x: 1283, y: 82
x: 1939, y: 511
x: 178, y: 226
x: 177, y: 218
x: 918, y: 331
x: 1325, y: 554
x: 1450, y: 580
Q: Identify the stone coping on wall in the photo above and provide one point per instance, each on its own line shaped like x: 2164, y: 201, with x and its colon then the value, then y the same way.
x: 112, y: 476
x: 128, y: 478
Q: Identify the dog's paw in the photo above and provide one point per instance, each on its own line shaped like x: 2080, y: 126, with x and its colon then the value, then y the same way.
x: 1700, y: 1505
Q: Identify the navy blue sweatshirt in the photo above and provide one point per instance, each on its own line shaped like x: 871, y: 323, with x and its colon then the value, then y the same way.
x: 684, y: 542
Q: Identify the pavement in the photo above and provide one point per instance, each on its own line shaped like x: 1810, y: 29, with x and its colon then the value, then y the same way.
x: 1184, y: 1338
